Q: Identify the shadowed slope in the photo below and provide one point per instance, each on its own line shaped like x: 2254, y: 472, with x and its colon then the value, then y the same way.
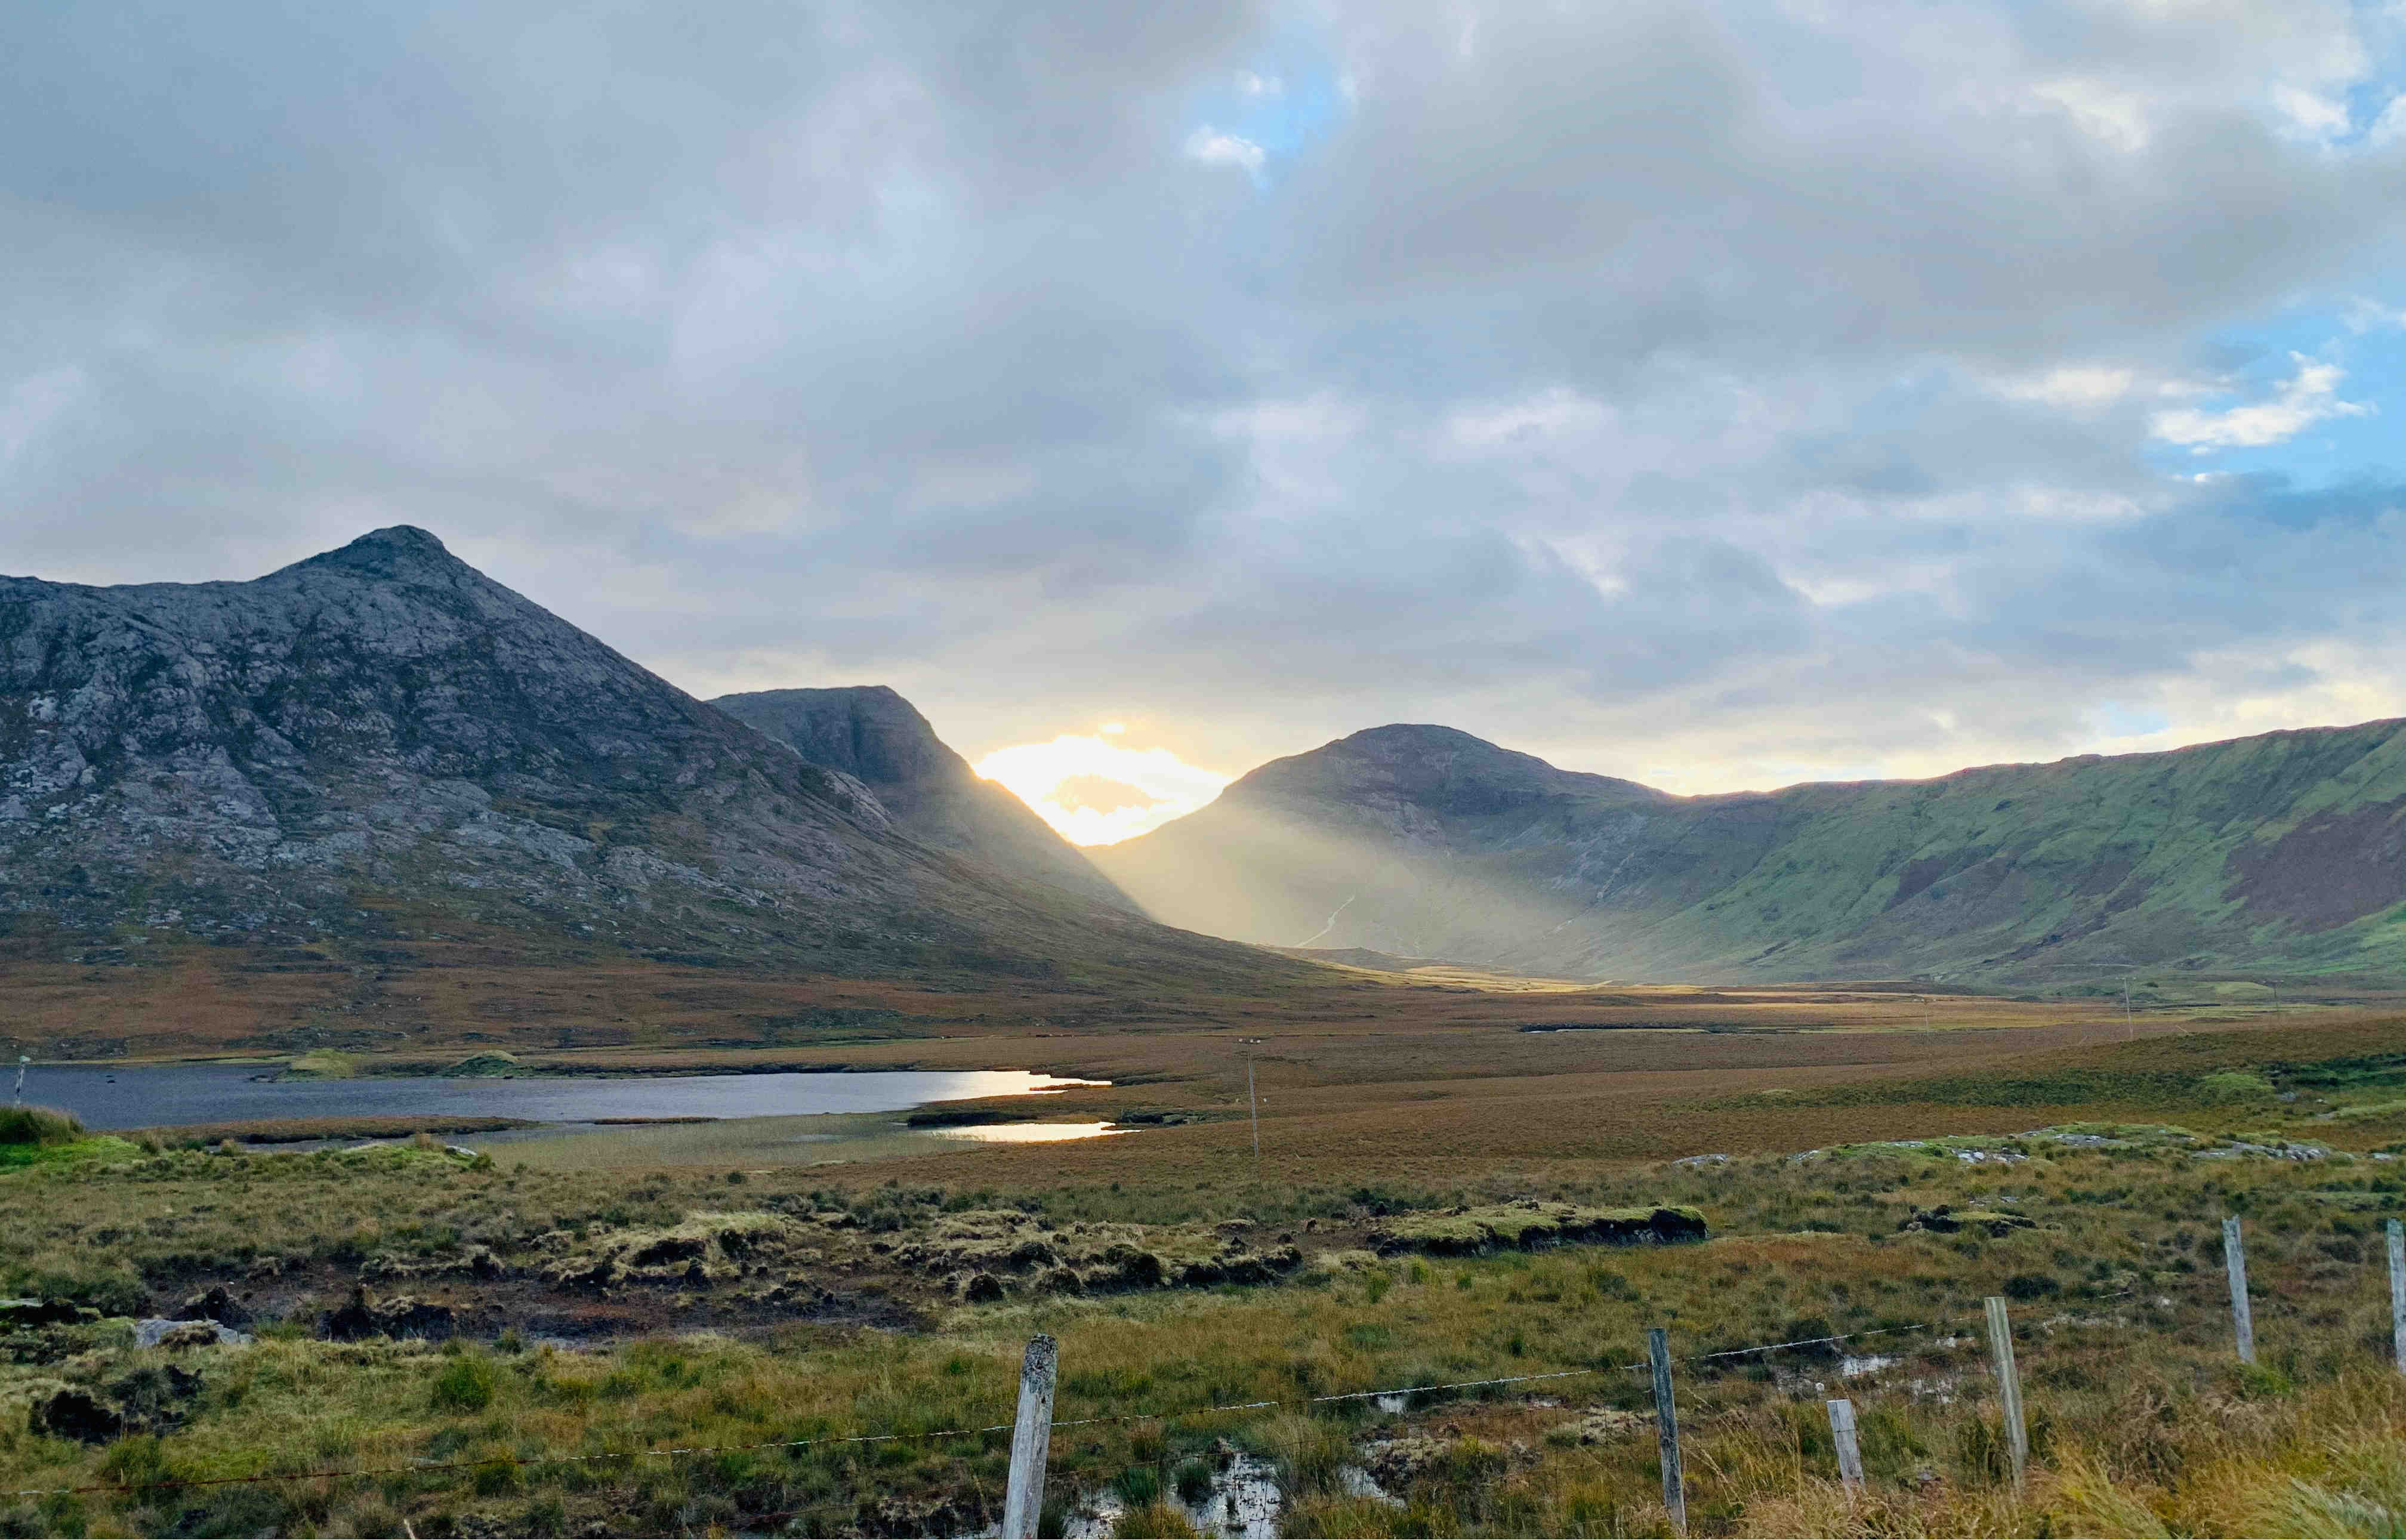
x: 871, y: 733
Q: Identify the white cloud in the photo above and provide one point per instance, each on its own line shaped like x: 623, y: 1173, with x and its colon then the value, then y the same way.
x: 2116, y: 117
x: 2074, y: 387
x: 1213, y: 147
x: 2364, y: 315
x: 1548, y: 414
x: 1259, y: 85
x: 2308, y: 397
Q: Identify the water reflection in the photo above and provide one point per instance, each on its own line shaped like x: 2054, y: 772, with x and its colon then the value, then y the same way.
x: 151, y: 1095
x: 1031, y: 1132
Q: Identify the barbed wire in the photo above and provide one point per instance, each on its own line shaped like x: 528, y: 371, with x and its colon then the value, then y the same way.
x: 430, y: 1467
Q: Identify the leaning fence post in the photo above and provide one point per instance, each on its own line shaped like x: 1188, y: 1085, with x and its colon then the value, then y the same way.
x: 2234, y: 1257
x: 2009, y: 1385
x: 1031, y: 1434
x: 2398, y: 1292
x: 1666, y: 1429
x: 1850, y: 1456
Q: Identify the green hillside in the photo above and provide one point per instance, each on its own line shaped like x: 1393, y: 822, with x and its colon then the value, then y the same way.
x: 2280, y: 855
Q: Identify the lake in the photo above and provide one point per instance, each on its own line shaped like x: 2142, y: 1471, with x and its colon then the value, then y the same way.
x: 153, y: 1096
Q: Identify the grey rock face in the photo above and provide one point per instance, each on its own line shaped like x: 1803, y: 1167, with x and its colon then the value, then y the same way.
x: 381, y: 741
x: 872, y: 734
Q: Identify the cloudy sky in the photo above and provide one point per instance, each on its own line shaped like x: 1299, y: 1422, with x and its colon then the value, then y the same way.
x: 1716, y: 394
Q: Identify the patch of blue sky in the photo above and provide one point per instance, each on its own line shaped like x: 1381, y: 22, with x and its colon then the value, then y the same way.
x: 2380, y: 28
x: 2348, y: 437
x: 2115, y: 719
x: 1287, y: 97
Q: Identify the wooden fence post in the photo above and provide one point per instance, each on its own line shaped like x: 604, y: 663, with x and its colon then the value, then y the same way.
x: 2234, y: 1258
x: 1666, y: 1429
x: 2009, y: 1386
x: 2398, y: 1292
x: 1031, y: 1435
x: 1850, y: 1455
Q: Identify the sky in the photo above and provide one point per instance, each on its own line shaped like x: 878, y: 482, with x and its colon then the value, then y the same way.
x: 1716, y: 395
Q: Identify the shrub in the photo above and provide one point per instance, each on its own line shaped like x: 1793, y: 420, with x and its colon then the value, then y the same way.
x: 38, y: 1125
x: 465, y: 1384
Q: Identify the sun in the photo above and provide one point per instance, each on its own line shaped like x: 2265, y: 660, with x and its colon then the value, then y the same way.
x: 1095, y: 791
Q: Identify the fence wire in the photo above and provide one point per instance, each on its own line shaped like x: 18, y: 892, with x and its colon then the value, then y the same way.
x: 832, y: 1440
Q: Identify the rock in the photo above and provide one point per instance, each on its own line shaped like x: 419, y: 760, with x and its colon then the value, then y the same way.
x: 175, y: 1335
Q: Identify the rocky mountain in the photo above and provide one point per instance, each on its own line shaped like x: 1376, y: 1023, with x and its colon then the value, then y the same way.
x: 879, y: 739
x: 2283, y: 855
x: 382, y: 742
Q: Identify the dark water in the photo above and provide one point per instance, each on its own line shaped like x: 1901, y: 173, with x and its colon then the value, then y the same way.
x: 149, y: 1095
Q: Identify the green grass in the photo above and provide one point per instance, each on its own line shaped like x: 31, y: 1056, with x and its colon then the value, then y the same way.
x: 38, y: 1125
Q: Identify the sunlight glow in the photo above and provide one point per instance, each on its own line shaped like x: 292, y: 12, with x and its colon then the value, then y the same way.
x: 1098, y: 793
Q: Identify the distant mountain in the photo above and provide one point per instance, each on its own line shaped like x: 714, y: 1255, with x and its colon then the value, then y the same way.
x: 383, y: 742
x: 879, y: 739
x: 2280, y: 855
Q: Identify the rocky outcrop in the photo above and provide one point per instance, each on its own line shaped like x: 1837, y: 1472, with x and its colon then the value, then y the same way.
x: 872, y: 734
x: 383, y: 742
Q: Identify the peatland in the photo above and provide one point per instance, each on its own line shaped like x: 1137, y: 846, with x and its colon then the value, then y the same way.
x: 1496, y: 1188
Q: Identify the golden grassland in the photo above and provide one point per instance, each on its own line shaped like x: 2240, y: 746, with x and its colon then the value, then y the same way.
x: 169, y: 1000
x: 2143, y: 1421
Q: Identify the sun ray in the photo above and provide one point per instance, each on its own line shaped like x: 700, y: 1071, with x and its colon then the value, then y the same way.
x: 1097, y: 792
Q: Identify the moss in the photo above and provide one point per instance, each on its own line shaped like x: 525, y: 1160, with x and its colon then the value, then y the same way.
x: 1528, y: 1226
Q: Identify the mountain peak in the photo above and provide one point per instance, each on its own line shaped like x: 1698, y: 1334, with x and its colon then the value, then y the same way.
x: 400, y: 550
x: 864, y: 730
x: 870, y: 732
x: 1442, y: 769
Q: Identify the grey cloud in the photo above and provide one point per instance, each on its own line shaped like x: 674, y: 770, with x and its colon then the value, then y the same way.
x: 829, y: 343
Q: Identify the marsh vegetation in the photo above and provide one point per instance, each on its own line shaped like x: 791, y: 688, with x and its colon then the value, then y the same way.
x: 503, y: 1348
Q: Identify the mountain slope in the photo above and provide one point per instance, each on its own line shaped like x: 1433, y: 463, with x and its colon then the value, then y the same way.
x: 873, y: 735
x: 2282, y: 854
x: 383, y: 741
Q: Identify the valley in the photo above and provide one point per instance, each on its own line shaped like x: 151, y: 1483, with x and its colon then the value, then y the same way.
x: 604, y: 1111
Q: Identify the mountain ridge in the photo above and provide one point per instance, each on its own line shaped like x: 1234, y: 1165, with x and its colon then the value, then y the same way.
x: 2282, y: 852
x: 380, y: 740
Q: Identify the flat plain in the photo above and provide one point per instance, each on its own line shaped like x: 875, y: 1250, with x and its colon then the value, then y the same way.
x: 499, y: 1340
